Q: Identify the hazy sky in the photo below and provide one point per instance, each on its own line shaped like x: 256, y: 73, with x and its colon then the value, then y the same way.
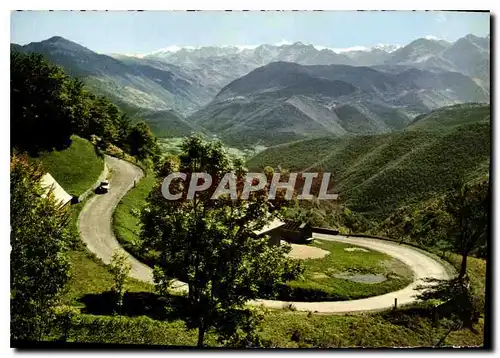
x: 143, y: 32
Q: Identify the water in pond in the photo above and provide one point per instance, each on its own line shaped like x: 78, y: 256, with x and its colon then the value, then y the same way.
x: 361, y: 278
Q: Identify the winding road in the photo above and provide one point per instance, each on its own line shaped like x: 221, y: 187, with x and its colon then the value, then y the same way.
x: 95, y: 224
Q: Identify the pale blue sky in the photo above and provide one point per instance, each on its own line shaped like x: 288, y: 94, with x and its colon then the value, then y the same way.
x: 143, y: 32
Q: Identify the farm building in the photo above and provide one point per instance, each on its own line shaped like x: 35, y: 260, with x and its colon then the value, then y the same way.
x: 49, y: 183
x: 296, y: 232
x: 291, y: 231
x: 271, y: 229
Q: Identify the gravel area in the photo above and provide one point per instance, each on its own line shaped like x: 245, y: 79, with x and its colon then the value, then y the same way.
x: 307, y: 252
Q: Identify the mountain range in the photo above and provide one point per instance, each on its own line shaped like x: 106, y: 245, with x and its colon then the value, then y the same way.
x: 274, y: 93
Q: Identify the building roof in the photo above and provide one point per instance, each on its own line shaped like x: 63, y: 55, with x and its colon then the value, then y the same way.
x: 294, y: 225
x: 60, y: 195
x: 275, y: 223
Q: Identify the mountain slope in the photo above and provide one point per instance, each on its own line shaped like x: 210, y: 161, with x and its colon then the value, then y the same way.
x: 448, y: 118
x: 284, y: 101
x: 416, y: 51
x: 75, y: 168
x: 146, y: 88
x: 469, y: 55
x: 138, y: 83
x: 378, y: 173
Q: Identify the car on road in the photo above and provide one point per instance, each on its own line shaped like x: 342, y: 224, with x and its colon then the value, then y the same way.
x: 103, y: 187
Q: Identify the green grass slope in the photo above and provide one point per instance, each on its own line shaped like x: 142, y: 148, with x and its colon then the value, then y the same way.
x: 376, y: 174
x: 320, y: 281
x: 126, y: 220
x: 448, y: 118
x: 405, y: 327
x: 76, y: 167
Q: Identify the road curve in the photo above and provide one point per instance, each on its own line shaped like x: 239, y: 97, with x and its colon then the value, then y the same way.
x: 420, y: 263
x: 96, y: 219
x: 95, y: 224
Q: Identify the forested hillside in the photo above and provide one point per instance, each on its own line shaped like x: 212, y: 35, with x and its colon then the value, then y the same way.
x: 378, y: 173
x: 48, y: 107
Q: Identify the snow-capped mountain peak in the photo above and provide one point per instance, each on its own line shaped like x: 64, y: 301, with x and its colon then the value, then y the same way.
x: 386, y: 47
x: 226, y: 49
x: 383, y: 47
x: 350, y: 49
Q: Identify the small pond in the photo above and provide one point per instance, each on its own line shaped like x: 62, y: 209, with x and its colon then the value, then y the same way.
x: 361, y: 278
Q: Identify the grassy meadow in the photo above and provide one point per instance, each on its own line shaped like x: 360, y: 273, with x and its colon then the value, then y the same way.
x: 75, y: 168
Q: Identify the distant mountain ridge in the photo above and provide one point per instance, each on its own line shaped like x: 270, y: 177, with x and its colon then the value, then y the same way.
x: 425, y: 53
x: 285, y: 101
x: 371, y: 90
x: 145, y: 84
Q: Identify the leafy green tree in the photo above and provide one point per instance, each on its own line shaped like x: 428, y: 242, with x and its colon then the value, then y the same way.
x: 124, y: 127
x: 120, y: 268
x: 77, y: 104
x: 39, y: 104
x: 211, y: 245
x: 469, y: 207
x: 104, y: 118
x: 39, y: 241
x: 142, y: 143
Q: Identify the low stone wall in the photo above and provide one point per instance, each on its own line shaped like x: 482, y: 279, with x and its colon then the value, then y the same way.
x: 102, y: 176
x: 322, y: 230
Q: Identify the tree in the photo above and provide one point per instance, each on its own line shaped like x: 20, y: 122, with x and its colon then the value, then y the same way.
x: 124, y: 126
x: 142, y: 143
x: 211, y: 245
x: 47, y: 107
x: 120, y: 268
x: 39, y: 241
x: 40, y: 110
x: 468, y: 207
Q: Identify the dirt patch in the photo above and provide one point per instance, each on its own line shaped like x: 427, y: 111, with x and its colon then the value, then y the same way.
x: 307, y: 252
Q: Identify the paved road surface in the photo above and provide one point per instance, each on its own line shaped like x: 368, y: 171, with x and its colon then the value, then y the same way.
x: 96, y: 231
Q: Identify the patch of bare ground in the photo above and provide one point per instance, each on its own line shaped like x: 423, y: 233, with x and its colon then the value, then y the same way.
x: 306, y: 252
